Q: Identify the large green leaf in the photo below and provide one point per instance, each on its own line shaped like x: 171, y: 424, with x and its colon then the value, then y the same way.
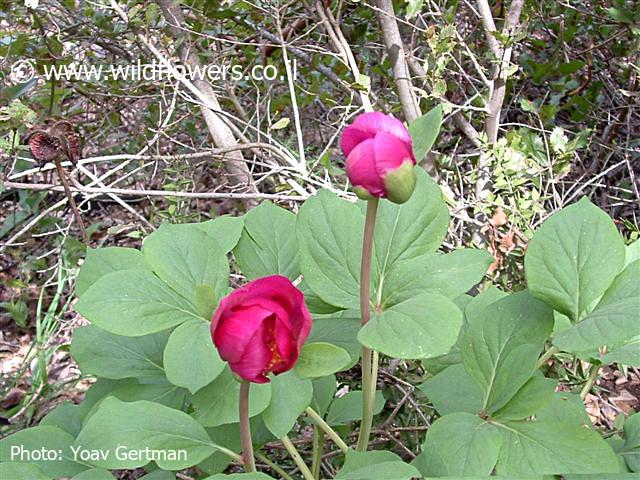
x: 502, y: 343
x: 185, y: 258
x: 616, y: 319
x: 459, y: 444
x: 453, y: 390
x: 534, y: 395
x: 95, y: 474
x: 411, y: 229
x: 217, y: 403
x: 290, y: 396
x: 67, y: 416
x: 132, y: 390
x: 552, y: 448
x: 107, y: 355
x: 268, y: 243
x: 573, y: 258
x: 423, y: 326
x: 319, y: 359
x: 380, y: 465
x: 190, y: 358
x: 631, y: 448
x: 626, y: 353
x: 329, y: 232
x: 424, y: 131
x: 134, y: 303
x: 23, y: 446
x: 225, y: 230
x: 339, y: 331
x: 105, y: 260
x: 349, y: 407
x: 22, y: 471
x: 240, y: 476
x: 324, y: 389
x: 450, y: 275
x: 174, y: 439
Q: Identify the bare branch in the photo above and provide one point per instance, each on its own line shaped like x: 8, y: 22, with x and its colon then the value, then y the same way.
x: 393, y: 42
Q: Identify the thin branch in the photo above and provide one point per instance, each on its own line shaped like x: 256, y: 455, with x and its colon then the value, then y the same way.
x: 393, y: 42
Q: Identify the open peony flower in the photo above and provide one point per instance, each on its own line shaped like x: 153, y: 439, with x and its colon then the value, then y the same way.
x: 260, y: 328
x: 380, y: 160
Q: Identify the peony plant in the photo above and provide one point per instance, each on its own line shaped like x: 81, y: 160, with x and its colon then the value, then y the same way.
x: 200, y: 375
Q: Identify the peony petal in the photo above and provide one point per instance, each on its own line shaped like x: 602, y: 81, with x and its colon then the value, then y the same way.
x: 368, y: 125
x: 390, y: 153
x: 361, y: 169
x: 253, y: 362
x: 352, y: 137
x: 236, y: 329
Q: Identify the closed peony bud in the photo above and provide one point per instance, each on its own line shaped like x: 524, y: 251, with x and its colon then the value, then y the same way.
x: 260, y: 328
x: 380, y: 160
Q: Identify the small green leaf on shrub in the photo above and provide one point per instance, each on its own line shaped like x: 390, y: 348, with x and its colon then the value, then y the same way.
x: 290, y: 396
x: 190, y: 358
x: 320, y: 359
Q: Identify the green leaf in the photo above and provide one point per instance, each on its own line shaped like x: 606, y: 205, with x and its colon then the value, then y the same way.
x: 324, y: 389
x: 424, y: 130
x: 290, y: 396
x: 349, y: 407
x: 460, y: 444
x: 190, y: 358
x: 453, y: 390
x: 552, y: 448
x: 94, y: 474
x: 240, y: 476
x: 626, y: 353
x: 423, y: 326
x: 19, y: 447
x: 616, y: 318
x: 104, y: 354
x: 411, y: 229
x: 102, y: 261
x: 185, y: 257
x: 134, y: 303
x: 268, y: 243
x: 225, y: 230
x: 320, y: 359
x: 450, y: 275
x: 500, y: 348
x: 534, y: 395
x: 631, y: 448
x: 604, y: 326
x: 329, y: 233
x: 164, y: 393
x: 22, y: 471
x: 66, y: 416
x: 380, y: 465
x: 561, y: 266
x: 565, y: 407
x: 341, y: 332
x: 217, y: 403
x: 175, y: 439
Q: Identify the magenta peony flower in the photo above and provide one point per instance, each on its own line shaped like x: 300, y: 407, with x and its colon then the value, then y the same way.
x: 260, y: 328
x: 380, y: 160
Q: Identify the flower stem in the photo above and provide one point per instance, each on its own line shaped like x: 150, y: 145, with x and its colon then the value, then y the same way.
x: 368, y: 382
x: 546, y: 356
x: 318, y: 444
x: 274, y: 467
x: 306, y: 473
x: 245, y: 429
x: 319, y: 421
x: 593, y: 374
